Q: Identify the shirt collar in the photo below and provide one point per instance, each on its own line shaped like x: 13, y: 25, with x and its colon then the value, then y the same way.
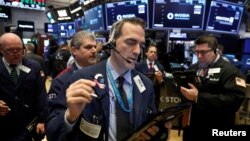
x: 127, y: 75
x: 153, y: 62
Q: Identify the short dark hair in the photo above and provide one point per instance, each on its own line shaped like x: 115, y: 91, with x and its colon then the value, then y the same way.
x: 119, y: 25
x: 209, y: 39
x: 152, y: 44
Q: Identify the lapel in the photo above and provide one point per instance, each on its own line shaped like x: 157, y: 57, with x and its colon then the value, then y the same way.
x: 137, y: 97
x: 103, y: 94
x: 5, y: 74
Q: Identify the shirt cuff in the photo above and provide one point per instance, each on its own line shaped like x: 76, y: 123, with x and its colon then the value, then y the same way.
x: 69, y: 125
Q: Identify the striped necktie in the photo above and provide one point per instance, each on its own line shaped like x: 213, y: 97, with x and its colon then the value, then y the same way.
x: 13, y: 73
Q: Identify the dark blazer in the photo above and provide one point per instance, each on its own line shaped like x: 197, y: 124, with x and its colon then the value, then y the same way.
x: 143, y: 67
x: 26, y: 99
x: 219, y: 98
x: 143, y: 106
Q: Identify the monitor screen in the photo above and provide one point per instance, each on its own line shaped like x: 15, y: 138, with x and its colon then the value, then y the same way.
x: 27, y: 26
x: 51, y: 16
x: 126, y: 9
x: 178, y: 35
x: 66, y: 30
x: 94, y: 18
x: 188, y: 14
x: 50, y: 28
x: 27, y: 4
x: 5, y: 12
x: 224, y: 17
x: 247, y: 45
x: 235, y: 1
x: 63, y: 14
x: 76, y: 10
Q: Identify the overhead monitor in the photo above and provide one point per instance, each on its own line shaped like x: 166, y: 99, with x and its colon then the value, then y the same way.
x: 66, y: 30
x: 51, y: 16
x: 247, y: 46
x: 224, y: 17
x: 63, y: 14
x: 94, y: 18
x: 5, y: 12
x: 181, y: 14
x: 76, y: 10
x: 116, y: 11
x: 28, y: 26
x: 235, y: 1
x: 27, y: 4
x: 50, y: 28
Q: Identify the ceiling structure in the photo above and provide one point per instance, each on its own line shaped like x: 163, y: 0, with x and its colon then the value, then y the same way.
x: 59, y: 3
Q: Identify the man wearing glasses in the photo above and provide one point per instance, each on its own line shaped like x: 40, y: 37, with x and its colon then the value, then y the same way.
x: 220, y: 96
x: 23, y: 95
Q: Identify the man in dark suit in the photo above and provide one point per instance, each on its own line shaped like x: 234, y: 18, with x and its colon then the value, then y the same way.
x: 95, y: 101
x: 153, y: 69
x: 22, y: 92
x: 83, y: 49
x: 216, y: 101
x: 30, y: 54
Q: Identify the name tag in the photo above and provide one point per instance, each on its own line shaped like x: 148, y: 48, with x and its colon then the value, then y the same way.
x: 90, y: 129
x: 214, y: 70
x: 24, y: 69
x: 156, y: 68
x: 139, y: 83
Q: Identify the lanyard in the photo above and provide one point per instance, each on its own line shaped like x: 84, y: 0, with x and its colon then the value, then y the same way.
x: 117, y: 93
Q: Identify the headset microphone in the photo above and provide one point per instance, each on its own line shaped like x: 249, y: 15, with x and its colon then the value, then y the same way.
x: 111, y: 45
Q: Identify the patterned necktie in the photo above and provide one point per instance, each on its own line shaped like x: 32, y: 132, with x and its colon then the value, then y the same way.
x: 122, y: 117
x: 13, y: 73
x: 151, y: 69
x: 203, y: 72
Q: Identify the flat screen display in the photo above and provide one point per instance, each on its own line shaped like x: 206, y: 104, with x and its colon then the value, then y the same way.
x: 63, y: 14
x: 28, y: 4
x: 50, y: 28
x: 76, y: 10
x: 224, y: 17
x: 94, y: 18
x: 247, y: 45
x: 126, y: 9
x: 66, y: 30
x: 5, y: 12
x: 181, y: 14
x: 235, y: 1
x: 51, y: 16
x: 28, y: 26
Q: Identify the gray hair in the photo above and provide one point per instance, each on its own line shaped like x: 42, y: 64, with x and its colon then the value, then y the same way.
x: 77, y: 41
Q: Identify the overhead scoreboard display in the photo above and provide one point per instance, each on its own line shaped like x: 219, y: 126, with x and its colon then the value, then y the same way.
x: 28, y: 4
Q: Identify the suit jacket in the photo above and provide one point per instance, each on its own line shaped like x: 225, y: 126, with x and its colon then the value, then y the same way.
x: 26, y: 99
x: 143, y: 67
x: 143, y: 106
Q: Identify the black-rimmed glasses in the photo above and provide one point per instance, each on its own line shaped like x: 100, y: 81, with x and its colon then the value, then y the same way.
x: 202, y: 52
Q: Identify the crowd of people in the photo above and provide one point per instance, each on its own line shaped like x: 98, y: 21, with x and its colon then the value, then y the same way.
x: 110, y: 98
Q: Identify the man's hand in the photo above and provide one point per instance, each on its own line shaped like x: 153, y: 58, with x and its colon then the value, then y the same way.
x: 40, y: 128
x: 4, y: 109
x: 78, y: 95
x: 152, y: 131
x: 159, y: 76
x: 190, y: 94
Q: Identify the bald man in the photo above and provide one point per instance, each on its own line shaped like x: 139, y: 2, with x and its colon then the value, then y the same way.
x: 23, y: 96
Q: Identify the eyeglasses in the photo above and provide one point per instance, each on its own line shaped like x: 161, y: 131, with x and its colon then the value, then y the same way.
x: 202, y: 52
x: 13, y: 51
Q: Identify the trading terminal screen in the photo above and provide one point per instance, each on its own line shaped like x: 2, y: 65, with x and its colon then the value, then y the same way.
x: 224, y: 17
x: 126, y: 9
x: 182, y: 14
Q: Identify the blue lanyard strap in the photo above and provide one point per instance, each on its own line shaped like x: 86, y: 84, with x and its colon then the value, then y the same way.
x: 117, y: 93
